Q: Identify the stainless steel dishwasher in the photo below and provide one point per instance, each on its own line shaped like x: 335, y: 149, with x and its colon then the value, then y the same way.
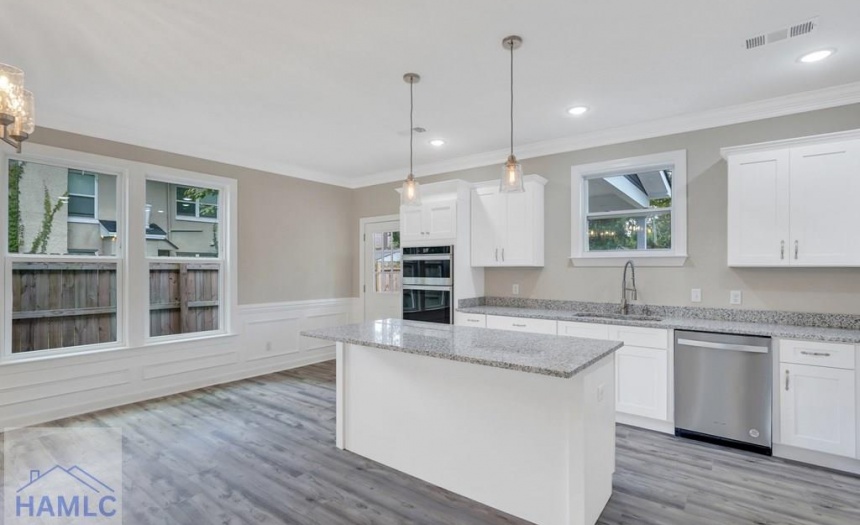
x: 723, y: 389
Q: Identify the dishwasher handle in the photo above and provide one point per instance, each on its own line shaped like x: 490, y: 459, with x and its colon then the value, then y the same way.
x: 724, y: 346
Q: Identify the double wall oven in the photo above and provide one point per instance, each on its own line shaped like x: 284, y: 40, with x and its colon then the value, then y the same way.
x: 428, y: 284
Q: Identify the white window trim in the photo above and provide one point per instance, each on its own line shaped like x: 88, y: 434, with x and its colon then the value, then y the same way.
x: 121, y: 261
x: 677, y: 256
x: 227, y: 254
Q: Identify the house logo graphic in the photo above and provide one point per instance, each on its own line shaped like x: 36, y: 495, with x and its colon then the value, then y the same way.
x: 65, y: 493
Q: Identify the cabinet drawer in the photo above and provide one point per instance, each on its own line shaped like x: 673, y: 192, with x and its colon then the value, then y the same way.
x: 833, y: 355
x: 463, y: 319
x: 588, y: 330
x: 642, y: 337
x: 538, y: 326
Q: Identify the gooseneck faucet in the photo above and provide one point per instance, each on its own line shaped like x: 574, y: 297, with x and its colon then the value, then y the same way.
x: 625, y: 306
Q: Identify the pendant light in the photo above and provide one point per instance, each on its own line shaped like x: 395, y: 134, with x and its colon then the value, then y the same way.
x: 411, y: 193
x: 512, y: 173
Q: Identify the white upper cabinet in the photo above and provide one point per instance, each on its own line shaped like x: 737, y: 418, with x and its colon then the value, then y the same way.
x: 432, y: 221
x: 793, y: 203
x: 508, y: 228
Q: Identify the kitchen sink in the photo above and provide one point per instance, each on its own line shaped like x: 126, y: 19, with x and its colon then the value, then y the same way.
x: 623, y: 317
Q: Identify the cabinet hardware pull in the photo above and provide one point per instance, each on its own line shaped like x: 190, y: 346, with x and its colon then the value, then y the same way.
x: 519, y: 325
x: 497, y: 255
x: 503, y: 255
x: 796, y: 243
x: 815, y: 354
x: 781, y: 250
x: 787, y: 379
x: 472, y: 320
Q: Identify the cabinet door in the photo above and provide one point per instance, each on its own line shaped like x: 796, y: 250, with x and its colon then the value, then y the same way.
x: 440, y: 220
x: 641, y: 382
x: 411, y: 227
x: 817, y: 408
x: 825, y: 188
x: 758, y: 209
x: 516, y: 230
x: 487, y: 210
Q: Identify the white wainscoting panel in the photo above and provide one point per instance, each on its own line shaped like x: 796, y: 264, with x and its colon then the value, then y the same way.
x: 42, y: 390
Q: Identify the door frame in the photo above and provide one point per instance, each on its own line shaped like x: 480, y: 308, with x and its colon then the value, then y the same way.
x: 362, y: 225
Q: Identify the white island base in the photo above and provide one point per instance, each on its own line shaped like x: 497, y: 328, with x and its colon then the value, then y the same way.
x: 539, y: 447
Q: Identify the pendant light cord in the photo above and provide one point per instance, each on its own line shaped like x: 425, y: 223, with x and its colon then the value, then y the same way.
x: 512, y: 96
x: 411, y: 126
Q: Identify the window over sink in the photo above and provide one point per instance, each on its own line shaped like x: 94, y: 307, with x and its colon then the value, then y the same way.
x: 632, y: 208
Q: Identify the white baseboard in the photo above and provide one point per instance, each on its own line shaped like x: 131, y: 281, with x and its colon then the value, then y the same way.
x: 817, y: 458
x: 267, y: 341
x: 666, y: 427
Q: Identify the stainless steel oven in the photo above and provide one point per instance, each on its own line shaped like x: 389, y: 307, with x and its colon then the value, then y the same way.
x: 428, y: 266
x: 428, y: 284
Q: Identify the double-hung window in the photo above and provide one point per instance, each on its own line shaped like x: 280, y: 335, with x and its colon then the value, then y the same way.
x: 63, y: 279
x: 631, y: 208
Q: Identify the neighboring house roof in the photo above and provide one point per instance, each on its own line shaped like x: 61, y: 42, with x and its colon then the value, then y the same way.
x: 153, y: 231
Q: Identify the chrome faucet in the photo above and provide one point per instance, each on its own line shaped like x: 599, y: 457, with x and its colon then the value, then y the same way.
x: 625, y: 306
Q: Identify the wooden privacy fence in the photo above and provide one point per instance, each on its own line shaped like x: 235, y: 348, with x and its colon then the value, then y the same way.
x: 183, y: 298
x: 57, y: 305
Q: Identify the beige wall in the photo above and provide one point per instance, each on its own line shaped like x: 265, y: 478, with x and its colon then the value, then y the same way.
x: 809, y: 289
x: 295, y: 237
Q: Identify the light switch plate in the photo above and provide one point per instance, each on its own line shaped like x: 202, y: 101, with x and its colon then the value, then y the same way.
x: 735, y: 297
x: 696, y: 295
x: 516, y: 289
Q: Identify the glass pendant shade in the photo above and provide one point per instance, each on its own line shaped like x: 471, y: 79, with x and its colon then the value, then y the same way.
x: 11, y: 88
x: 512, y: 176
x: 25, y: 117
x: 410, y: 195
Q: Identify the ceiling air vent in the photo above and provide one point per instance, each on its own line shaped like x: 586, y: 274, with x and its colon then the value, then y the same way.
x: 803, y: 28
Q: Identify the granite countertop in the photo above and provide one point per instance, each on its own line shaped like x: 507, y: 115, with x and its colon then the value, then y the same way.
x: 534, y: 353
x: 787, y: 331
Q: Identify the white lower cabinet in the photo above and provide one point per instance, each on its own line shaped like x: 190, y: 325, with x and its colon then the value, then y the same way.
x: 641, y: 366
x: 519, y: 324
x: 818, y: 408
x: 464, y: 319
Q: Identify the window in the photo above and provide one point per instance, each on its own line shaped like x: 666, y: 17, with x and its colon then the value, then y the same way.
x: 62, y: 276
x: 186, y: 264
x: 386, y: 257
x: 83, y: 194
x: 630, y: 209
x: 197, y: 203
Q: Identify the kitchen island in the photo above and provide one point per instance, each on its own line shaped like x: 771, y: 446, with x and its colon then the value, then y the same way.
x: 521, y: 422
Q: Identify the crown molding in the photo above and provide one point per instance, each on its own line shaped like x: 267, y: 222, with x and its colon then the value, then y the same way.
x: 769, y: 108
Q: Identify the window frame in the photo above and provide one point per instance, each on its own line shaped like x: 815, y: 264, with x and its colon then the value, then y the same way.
x: 227, y: 254
x: 9, y: 259
x: 196, y: 217
x: 95, y: 218
x: 581, y: 173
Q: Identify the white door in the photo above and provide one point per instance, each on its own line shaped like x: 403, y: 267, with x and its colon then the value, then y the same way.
x: 441, y: 220
x: 824, y: 213
x: 641, y: 382
x: 758, y: 209
x: 412, y: 223
x: 382, y: 286
x: 487, y: 210
x: 817, y: 408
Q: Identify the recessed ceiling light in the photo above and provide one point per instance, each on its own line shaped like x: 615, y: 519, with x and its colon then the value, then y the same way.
x: 577, y: 110
x: 437, y: 142
x: 816, y: 56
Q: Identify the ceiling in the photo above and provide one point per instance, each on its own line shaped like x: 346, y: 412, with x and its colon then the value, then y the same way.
x: 314, y: 89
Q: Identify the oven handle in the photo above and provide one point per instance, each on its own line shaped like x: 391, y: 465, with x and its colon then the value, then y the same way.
x: 724, y: 346
x: 429, y: 288
x: 426, y: 257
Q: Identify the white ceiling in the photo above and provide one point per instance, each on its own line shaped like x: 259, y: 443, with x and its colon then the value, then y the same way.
x: 313, y: 88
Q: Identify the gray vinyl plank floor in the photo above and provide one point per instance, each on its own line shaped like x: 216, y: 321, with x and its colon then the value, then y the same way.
x: 261, y: 451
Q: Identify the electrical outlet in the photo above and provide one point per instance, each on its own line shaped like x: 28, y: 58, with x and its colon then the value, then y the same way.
x: 696, y: 295
x: 516, y: 289
x: 735, y: 297
x: 600, y: 390
x: 268, y: 346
